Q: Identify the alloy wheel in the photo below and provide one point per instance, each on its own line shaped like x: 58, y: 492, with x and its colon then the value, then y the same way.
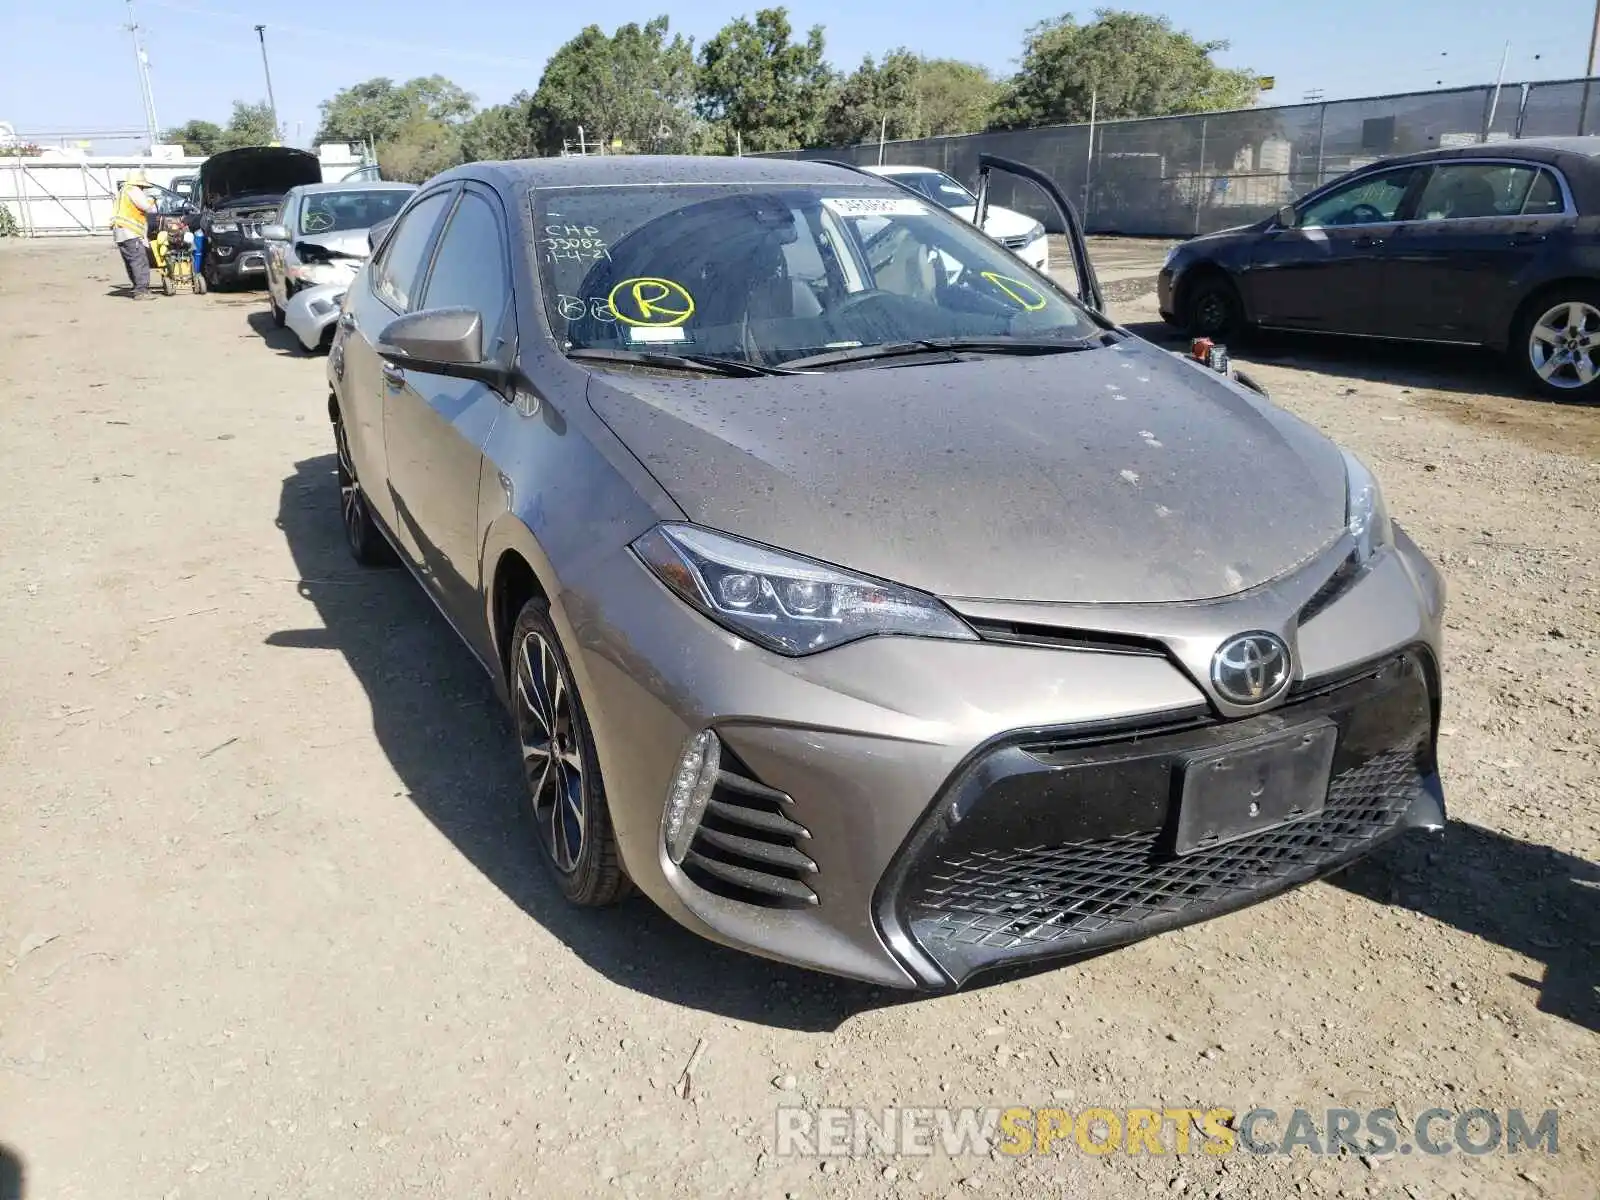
x: 552, y: 752
x: 1563, y: 344
x: 352, y: 505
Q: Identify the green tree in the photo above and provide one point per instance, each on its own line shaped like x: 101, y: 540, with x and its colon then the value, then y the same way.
x: 419, y: 150
x: 635, y: 87
x: 250, y: 125
x: 514, y: 129
x: 873, y: 99
x: 954, y: 97
x: 761, y: 90
x: 380, y: 108
x: 1134, y: 64
x: 198, y: 138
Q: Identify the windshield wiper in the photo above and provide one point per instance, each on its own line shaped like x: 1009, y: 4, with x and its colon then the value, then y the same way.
x: 990, y: 345
x: 734, y: 367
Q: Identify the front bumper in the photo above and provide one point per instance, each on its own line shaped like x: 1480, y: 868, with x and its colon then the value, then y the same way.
x: 899, y: 784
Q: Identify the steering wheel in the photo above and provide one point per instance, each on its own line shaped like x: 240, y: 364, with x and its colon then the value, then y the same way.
x: 316, y: 220
x: 1363, y: 214
x: 856, y: 301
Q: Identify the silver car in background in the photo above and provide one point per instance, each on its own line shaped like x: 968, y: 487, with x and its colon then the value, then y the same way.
x: 899, y: 622
x: 319, y: 236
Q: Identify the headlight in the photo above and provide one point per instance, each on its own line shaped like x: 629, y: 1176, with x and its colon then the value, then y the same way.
x: 224, y: 227
x: 1364, y: 510
x: 788, y: 604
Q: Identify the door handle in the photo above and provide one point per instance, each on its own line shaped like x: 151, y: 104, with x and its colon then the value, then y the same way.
x: 1368, y: 239
x: 393, y: 376
x: 1528, y: 239
x: 347, y: 321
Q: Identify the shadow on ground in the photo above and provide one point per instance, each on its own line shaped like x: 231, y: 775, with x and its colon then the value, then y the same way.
x: 281, y: 340
x: 1533, y: 900
x: 436, y: 716
x: 11, y: 1174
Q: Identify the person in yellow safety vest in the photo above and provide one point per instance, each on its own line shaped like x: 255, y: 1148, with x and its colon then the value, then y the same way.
x: 130, y: 228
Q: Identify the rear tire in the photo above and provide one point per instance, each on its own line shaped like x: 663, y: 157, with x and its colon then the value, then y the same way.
x: 1555, y: 344
x: 566, y: 798
x: 1212, y: 308
x: 362, y: 538
x: 278, y: 315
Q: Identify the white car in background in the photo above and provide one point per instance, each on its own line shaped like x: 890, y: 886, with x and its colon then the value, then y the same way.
x: 1017, y: 232
x: 320, y: 236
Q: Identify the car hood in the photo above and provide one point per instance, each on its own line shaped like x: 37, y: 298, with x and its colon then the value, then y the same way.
x: 346, y: 243
x: 1001, y: 222
x: 258, y: 171
x: 1120, y: 475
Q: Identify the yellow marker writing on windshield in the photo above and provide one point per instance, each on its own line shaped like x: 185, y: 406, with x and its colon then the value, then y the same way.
x: 650, y: 301
x: 1028, y: 297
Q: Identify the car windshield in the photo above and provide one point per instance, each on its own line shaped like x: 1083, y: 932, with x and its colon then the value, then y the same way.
x: 936, y: 185
x: 765, y: 275
x: 336, y: 212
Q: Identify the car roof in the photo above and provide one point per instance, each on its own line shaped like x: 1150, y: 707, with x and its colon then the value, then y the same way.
x: 354, y: 185
x: 622, y: 170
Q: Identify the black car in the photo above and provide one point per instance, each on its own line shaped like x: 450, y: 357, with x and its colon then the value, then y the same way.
x: 1493, y: 245
x: 238, y: 192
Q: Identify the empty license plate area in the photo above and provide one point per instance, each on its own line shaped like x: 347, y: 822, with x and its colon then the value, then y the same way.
x: 1254, y: 785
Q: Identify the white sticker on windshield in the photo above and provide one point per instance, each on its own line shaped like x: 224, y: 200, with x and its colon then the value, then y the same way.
x: 876, y: 206
x: 657, y: 333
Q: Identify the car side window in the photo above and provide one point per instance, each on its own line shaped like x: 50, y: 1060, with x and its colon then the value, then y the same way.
x: 469, y: 268
x: 1368, y: 201
x: 1463, y: 191
x: 1544, y: 197
x: 395, y: 279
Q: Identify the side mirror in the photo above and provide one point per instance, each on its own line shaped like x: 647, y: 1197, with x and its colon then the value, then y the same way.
x: 376, y: 234
x: 445, y: 341
x: 1286, y: 217
x: 274, y: 233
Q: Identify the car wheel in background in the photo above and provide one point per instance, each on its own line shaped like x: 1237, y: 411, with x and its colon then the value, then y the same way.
x: 1556, y: 343
x: 1212, y: 308
x: 566, y: 799
x: 278, y: 315
x: 366, y: 544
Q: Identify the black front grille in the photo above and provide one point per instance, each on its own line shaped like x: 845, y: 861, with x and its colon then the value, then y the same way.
x: 748, y: 846
x: 1061, y: 849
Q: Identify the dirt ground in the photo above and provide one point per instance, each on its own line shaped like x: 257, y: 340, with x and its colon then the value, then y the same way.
x: 270, y: 927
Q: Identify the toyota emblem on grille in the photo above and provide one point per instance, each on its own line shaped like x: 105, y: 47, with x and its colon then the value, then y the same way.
x: 1250, y: 668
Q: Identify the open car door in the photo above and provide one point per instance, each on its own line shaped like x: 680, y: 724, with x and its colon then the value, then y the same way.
x: 1089, y: 293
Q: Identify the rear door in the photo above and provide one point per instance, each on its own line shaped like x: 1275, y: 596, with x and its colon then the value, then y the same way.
x: 435, y: 426
x: 382, y: 292
x: 1325, y: 273
x: 1478, y: 228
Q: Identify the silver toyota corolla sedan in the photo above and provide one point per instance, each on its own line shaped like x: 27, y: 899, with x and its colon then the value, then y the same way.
x: 858, y: 594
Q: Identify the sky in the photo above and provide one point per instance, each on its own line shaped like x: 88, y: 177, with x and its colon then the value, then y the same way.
x: 67, y: 66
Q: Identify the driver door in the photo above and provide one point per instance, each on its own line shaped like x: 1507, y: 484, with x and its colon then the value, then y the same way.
x: 1326, y: 272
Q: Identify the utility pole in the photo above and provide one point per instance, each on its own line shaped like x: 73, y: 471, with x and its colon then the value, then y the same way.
x: 1594, y: 45
x: 261, y: 35
x: 143, y: 63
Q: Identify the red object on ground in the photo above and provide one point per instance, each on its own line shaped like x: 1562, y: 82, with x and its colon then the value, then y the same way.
x: 1200, y: 349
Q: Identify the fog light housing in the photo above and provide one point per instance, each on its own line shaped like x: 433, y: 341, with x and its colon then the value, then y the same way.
x: 690, y: 792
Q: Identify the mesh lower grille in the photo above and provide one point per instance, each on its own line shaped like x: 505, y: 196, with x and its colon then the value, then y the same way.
x: 1029, y: 899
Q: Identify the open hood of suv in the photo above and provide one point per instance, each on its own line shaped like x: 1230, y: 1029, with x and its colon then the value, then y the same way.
x: 255, y: 171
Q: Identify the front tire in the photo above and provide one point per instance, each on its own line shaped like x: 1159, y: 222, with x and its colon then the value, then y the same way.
x: 566, y: 798
x: 1556, y: 344
x: 278, y: 315
x: 1212, y: 308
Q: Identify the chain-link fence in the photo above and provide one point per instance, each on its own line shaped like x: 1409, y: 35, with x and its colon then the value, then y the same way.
x: 1179, y: 176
